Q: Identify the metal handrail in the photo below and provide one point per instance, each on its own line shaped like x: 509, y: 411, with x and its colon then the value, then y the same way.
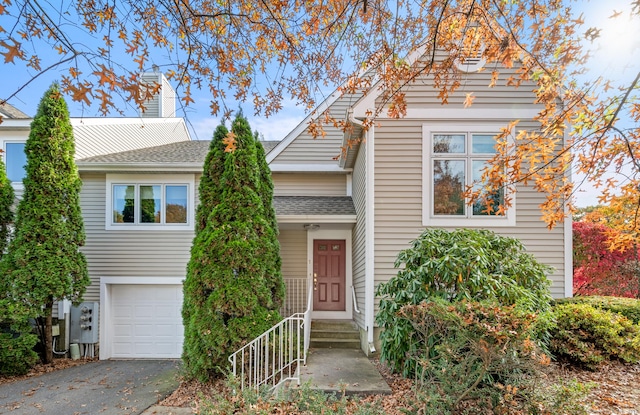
x: 272, y: 358
x: 307, y: 320
x: 355, y: 300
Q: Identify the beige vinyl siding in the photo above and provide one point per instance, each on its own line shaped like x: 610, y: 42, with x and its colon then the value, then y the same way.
x: 422, y: 94
x: 126, y: 253
x: 359, y: 233
x: 309, y: 184
x: 399, y: 198
x: 293, y: 251
x: 322, y: 150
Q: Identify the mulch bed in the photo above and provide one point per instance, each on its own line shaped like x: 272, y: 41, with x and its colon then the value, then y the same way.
x: 616, y: 390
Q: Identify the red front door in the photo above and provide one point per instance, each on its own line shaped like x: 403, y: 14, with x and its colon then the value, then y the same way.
x: 329, y: 275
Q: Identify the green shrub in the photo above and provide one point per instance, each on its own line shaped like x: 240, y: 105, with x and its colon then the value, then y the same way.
x: 479, y: 356
x: 587, y: 336
x: 628, y: 307
x: 16, y: 342
x: 477, y: 343
x: 476, y: 265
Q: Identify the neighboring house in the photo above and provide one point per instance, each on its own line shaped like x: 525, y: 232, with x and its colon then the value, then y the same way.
x: 343, y: 216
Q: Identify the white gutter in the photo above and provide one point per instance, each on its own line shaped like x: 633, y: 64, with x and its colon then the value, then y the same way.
x: 140, y: 167
x: 17, y: 123
x: 317, y: 218
x: 369, y: 281
x: 568, y: 241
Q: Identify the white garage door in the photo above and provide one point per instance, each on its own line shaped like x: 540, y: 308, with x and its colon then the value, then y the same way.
x: 146, y: 321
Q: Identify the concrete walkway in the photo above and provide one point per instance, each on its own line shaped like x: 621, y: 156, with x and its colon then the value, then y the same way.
x: 331, y: 370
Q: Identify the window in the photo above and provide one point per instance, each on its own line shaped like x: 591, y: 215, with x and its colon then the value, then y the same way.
x: 15, y: 161
x: 150, y: 203
x: 455, y: 160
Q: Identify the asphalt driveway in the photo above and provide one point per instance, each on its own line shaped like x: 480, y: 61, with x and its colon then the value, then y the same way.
x: 102, y: 387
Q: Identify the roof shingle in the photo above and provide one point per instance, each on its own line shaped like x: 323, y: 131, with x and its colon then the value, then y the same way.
x: 173, y: 153
x: 314, y: 205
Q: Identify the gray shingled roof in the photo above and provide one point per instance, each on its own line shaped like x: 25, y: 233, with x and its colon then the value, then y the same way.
x: 10, y: 111
x: 174, y: 153
x: 194, y: 152
x: 314, y: 205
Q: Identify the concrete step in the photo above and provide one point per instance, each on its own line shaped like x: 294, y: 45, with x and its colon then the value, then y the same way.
x: 320, y: 343
x: 333, y: 325
x: 335, y: 334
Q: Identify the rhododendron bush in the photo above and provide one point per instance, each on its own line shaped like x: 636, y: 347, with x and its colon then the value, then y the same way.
x: 599, y: 269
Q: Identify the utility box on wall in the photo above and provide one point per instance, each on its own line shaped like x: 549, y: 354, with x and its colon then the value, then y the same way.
x: 84, y: 323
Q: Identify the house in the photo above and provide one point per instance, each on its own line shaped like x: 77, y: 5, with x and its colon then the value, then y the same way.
x: 343, y: 216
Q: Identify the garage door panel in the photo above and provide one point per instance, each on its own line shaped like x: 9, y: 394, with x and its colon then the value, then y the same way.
x: 146, y: 321
x: 144, y: 311
x: 166, y: 312
x: 123, y: 310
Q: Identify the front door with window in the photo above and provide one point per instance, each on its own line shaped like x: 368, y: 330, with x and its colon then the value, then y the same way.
x: 329, y: 276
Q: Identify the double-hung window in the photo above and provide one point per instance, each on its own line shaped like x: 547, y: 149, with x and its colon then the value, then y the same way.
x: 455, y: 159
x: 149, y: 203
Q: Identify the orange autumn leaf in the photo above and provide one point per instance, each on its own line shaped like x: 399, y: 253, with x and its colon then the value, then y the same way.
x: 13, y: 51
x: 230, y: 142
x: 81, y: 93
x: 469, y: 99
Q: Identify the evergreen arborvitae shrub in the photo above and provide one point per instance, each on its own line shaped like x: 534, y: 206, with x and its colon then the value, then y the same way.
x: 464, y: 264
x: 275, y: 282
x: 17, y: 356
x: 44, y: 263
x: 230, y: 296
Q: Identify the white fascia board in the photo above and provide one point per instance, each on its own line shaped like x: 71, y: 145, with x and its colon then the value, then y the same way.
x: 300, y: 128
x: 10, y: 123
x: 316, y: 218
x: 125, y: 121
x: 302, y: 168
x: 368, y: 101
x: 457, y: 113
x: 451, y: 113
x: 160, y: 167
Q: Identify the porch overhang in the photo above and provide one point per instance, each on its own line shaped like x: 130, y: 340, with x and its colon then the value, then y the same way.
x: 328, y: 211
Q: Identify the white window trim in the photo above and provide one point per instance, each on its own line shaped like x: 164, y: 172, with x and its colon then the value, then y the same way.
x: 143, y: 179
x: 11, y: 140
x: 427, y: 180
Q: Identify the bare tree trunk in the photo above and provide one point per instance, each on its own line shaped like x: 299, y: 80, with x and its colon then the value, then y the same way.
x: 48, y: 338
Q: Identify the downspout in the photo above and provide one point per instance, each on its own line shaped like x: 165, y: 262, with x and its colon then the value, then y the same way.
x: 369, y: 281
x: 568, y: 243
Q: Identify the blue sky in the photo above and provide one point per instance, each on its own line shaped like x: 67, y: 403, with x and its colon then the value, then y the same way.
x: 612, y: 58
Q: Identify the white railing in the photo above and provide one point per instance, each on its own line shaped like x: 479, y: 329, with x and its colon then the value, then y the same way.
x: 273, y: 357
x: 295, y: 298
x: 355, y: 300
x: 307, y: 320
